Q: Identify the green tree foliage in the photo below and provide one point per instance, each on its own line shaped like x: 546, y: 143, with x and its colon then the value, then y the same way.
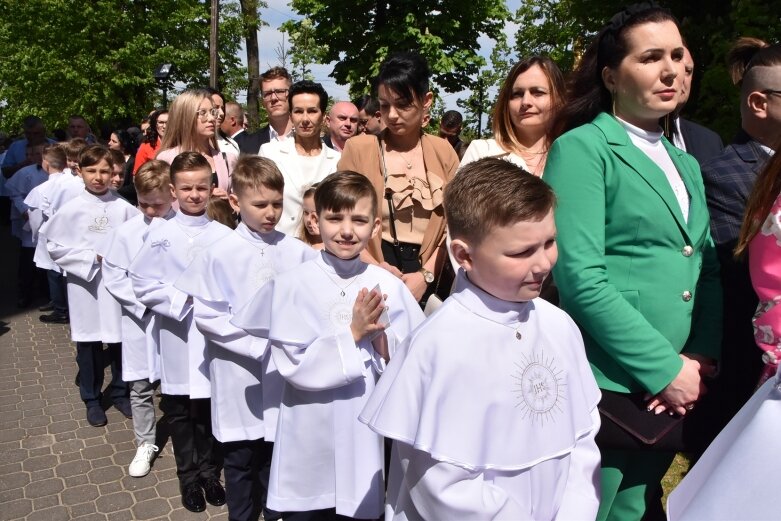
x: 96, y: 58
x: 359, y: 34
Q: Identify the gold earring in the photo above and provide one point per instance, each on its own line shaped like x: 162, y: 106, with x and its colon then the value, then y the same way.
x: 614, y: 103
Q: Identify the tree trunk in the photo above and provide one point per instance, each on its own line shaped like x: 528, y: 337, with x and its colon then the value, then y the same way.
x: 213, y: 61
x: 251, y: 23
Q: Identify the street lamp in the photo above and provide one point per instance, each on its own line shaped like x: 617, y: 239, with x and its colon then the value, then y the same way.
x: 162, y: 74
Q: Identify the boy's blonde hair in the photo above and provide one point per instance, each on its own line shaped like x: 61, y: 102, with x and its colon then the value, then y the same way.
x: 493, y: 192
x: 55, y: 156
x: 74, y: 147
x: 154, y: 175
x: 220, y: 210
x: 252, y: 172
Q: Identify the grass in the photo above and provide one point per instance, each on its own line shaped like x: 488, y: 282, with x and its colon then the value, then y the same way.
x: 675, y: 474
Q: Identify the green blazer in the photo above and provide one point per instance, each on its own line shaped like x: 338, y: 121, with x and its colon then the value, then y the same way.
x: 640, y: 281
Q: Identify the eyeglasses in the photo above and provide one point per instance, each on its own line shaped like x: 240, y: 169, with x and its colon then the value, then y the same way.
x: 771, y: 92
x: 281, y: 94
x: 203, y: 114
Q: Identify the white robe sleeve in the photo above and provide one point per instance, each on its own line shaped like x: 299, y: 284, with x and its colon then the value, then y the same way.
x: 581, y: 494
x: 79, y: 262
x: 444, y: 491
x: 161, y: 297
x: 213, y: 320
x: 316, y: 366
x: 117, y: 282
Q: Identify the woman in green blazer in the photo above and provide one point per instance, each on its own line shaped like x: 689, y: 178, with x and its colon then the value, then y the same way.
x: 636, y: 270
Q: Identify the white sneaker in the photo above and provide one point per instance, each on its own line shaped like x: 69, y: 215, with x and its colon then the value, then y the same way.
x: 141, y: 463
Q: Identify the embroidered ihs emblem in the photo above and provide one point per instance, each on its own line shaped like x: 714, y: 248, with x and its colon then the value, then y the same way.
x: 262, y: 273
x: 539, y: 387
x: 100, y: 225
x: 339, y: 313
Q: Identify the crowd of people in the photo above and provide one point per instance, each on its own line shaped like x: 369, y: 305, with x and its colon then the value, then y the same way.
x: 611, y: 278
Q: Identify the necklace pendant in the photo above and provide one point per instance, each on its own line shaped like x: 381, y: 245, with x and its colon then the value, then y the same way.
x: 262, y: 253
x: 342, y: 293
x: 409, y: 166
x: 518, y: 335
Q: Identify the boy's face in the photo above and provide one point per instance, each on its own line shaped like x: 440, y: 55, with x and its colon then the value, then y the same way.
x: 156, y: 203
x: 97, y: 178
x: 192, y: 189
x: 512, y: 261
x: 117, y: 176
x: 260, y: 208
x: 346, y: 233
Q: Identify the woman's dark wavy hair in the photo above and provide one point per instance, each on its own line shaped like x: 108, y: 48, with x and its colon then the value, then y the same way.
x: 407, y: 74
x: 586, y: 93
x: 126, y: 141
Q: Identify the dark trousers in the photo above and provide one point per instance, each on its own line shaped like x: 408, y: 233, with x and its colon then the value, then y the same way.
x: 328, y: 514
x: 196, y: 451
x: 58, y: 291
x: 247, y: 467
x: 90, y: 359
x: 28, y: 274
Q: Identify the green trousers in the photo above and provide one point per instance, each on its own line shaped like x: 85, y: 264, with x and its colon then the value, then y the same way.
x: 630, y: 483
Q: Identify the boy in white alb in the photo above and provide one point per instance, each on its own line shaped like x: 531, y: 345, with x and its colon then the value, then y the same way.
x: 75, y: 235
x: 491, y: 403
x: 330, y: 334
x: 168, y: 249
x: 222, y: 280
x: 140, y: 360
x: 53, y: 161
x: 54, y: 194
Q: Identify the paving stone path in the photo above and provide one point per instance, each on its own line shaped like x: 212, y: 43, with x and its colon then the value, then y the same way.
x: 53, y: 465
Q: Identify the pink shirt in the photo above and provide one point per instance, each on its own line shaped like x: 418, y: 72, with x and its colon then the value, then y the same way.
x: 765, y: 267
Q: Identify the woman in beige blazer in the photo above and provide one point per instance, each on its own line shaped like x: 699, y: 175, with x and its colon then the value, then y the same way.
x: 409, y: 170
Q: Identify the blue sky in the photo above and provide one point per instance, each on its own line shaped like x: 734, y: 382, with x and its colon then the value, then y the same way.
x: 278, y: 12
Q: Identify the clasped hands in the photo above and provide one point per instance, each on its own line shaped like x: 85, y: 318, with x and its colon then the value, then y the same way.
x: 367, y: 309
x: 680, y: 395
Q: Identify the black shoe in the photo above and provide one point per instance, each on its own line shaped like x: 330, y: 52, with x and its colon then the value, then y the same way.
x: 123, y: 406
x: 96, y: 417
x: 215, y: 494
x: 192, y: 498
x: 54, y: 318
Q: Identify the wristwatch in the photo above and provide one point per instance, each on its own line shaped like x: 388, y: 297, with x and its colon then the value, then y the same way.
x: 427, y: 275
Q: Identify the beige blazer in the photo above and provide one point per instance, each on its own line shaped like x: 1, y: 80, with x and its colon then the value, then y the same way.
x: 362, y: 154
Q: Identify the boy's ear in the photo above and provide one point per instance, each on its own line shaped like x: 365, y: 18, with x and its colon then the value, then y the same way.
x: 376, y: 227
x: 77, y: 169
x: 462, y: 253
x: 234, y: 202
x: 173, y: 190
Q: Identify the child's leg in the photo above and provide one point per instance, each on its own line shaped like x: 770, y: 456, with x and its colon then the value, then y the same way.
x: 118, y: 389
x: 89, y: 359
x: 242, y: 469
x: 143, y: 406
x: 177, y: 412
x: 57, y: 292
x: 265, y: 475
x: 208, y: 450
x: 26, y: 275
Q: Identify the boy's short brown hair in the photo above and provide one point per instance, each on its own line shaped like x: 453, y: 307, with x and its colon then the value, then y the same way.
x: 118, y: 157
x: 154, y: 175
x: 74, y: 147
x: 342, y: 190
x: 187, y: 162
x: 55, y: 156
x: 94, y: 154
x: 493, y: 192
x: 252, y: 172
